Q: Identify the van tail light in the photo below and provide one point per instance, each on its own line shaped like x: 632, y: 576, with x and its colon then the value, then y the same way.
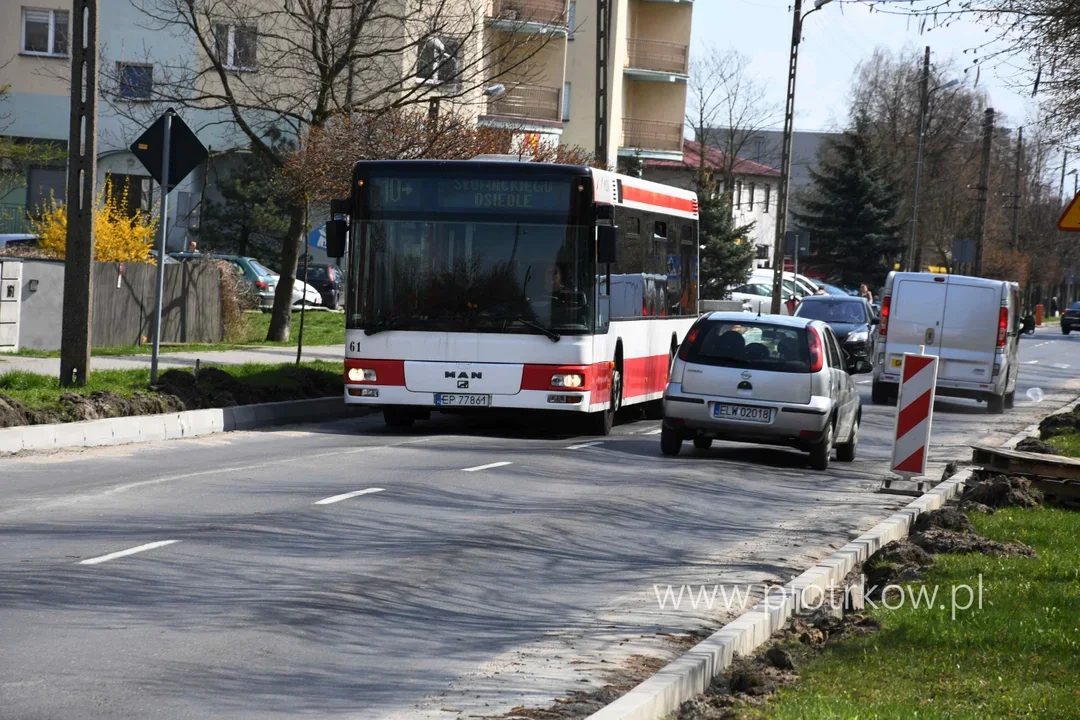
x: 261, y: 285
x: 684, y: 349
x: 883, y: 325
x: 817, y: 352
x: 1003, y: 326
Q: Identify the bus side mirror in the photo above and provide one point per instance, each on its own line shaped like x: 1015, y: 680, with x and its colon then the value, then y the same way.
x: 335, y: 238
x: 605, y: 245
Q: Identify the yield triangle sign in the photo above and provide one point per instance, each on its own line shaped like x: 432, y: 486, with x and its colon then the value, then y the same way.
x: 1070, y: 219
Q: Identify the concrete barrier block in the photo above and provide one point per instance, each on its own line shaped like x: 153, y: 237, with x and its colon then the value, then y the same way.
x: 98, y: 433
x: 243, y: 417
x: 201, y: 422
x: 70, y: 435
x: 11, y: 440
x: 39, y: 437
x: 131, y: 430
x: 173, y: 428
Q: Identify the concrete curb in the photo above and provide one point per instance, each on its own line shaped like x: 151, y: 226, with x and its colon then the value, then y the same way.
x: 170, y: 426
x: 1033, y: 430
x: 691, y: 673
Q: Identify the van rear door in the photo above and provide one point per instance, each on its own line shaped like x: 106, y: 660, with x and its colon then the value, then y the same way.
x: 916, y: 312
x: 969, y: 332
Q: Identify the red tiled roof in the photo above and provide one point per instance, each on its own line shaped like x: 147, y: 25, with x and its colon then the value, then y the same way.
x: 714, y: 158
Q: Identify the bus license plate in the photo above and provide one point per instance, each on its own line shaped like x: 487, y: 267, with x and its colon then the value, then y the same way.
x: 742, y: 412
x: 459, y: 400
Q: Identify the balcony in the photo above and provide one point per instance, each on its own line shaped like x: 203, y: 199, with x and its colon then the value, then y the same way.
x: 657, y: 60
x: 528, y: 16
x: 652, y: 139
x: 527, y: 102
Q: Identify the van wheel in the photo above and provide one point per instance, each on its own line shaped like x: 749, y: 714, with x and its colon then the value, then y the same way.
x: 995, y: 404
x: 1010, y: 400
x: 670, y: 442
x: 845, y: 452
x: 821, y: 450
x: 702, y: 443
x: 881, y: 394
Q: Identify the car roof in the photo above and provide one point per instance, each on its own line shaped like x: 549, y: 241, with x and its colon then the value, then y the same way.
x: 833, y: 299
x: 782, y: 320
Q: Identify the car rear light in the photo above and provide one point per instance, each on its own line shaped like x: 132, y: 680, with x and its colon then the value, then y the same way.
x: 1003, y: 326
x: 261, y: 285
x: 883, y: 326
x: 684, y: 349
x: 817, y: 355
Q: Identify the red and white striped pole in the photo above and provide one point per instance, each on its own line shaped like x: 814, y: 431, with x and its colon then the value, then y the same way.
x: 914, y: 411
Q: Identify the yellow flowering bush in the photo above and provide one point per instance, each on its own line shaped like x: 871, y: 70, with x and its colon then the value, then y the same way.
x: 117, y: 237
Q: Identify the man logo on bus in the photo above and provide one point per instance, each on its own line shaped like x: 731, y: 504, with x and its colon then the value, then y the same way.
x: 462, y: 375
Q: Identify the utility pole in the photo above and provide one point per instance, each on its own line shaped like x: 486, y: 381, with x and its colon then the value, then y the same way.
x: 1064, y: 164
x: 1016, y: 190
x: 984, y: 181
x: 82, y: 174
x: 603, y: 57
x: 914, y: 258
x: 164, y: 237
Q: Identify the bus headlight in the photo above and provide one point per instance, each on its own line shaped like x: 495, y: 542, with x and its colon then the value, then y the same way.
x: 361, y: 375
x: 568, y: 380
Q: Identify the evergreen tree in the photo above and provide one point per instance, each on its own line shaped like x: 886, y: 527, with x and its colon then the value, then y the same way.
x: 851, y: 211
x: 726, y: 253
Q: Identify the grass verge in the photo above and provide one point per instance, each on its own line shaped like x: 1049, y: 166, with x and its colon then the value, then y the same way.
x: 1018, y: 656
x: 320, y: 328
x: 1066, y: 444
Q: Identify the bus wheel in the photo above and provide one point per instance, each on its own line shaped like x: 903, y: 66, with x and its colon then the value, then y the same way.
x: 398, y: 417
x: 600, y: 423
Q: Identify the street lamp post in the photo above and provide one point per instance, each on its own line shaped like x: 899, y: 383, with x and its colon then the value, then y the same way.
x: 914, y: 254
x: 1076, y: 181
x: 785, y: 161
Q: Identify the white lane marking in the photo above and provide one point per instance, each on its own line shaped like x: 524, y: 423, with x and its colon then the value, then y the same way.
x: 584, y: 445
x: 125, y: 553
x: 1060, y: 366
x: 657, y: 431
x: 863, y: 382
x: 1041, y: 344
x: 486, y: 467
x: 1030, y: 362
x: 347, y: 496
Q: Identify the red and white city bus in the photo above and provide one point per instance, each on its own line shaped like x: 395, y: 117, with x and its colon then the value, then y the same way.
x: 523, y: 286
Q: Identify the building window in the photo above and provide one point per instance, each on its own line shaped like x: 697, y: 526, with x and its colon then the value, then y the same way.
x: 136, y: 82
x: 738, y: 193
x: 633, y: 226
x: 751, y: 196
x: 437, y: 63
x: 659, y: 230
x: 571, y: 19
x: 45, y: 32
x: 762, y: 252
x: 768, y: 192
x: 566, y: 102
x: 236, y: 46
x: 131, y: 193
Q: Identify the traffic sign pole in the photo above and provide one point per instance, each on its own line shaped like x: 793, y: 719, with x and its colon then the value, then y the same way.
x: 161, y: 248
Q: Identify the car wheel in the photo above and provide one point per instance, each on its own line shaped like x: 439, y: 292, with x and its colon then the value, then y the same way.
x: 821, y: 450
x: 995, y: 404
x: 702, y: 443
x: 1010, y: 400
x: 1065, y: 329
x: 670, y: 442
x: 845, y: 452
x: 398, y: 418
x: 881, y: 394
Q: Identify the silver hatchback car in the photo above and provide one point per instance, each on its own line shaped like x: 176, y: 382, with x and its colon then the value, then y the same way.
x: 768, y: 379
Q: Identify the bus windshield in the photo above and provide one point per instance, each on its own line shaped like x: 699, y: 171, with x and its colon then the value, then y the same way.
x: 452, y: 276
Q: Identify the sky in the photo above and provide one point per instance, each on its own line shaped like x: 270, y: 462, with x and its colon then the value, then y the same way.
x: 835, y: 40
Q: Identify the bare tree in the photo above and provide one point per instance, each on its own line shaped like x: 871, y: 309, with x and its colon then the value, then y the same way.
x: 293, y: 65
x: 726, y: 109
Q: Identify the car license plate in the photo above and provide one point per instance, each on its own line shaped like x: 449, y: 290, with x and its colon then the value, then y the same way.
x: 460, y: 400
x: 745, y: 413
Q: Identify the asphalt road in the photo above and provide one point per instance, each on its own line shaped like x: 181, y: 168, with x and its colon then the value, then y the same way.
x: 487, y: 565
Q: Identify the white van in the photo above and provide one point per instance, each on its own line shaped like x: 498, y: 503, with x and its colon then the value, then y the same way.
x: 970, y: 323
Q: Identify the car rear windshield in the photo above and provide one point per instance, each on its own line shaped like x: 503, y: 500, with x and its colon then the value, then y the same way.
x: 831, y: 311
x: 750, y: 345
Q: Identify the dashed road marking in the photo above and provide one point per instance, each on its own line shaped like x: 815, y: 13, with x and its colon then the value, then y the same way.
x: 1060, y: 366
x: 657, y: 431
x: 1030, y: 362
x: 124, y: 553
x: 486, y: 467
x: 584, y: 445
x: 347, y: 496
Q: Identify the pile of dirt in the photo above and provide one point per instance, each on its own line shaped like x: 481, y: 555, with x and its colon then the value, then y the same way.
x: 1034, y: 445
x: 1002, y: 491
x: 937, y: 542
x: 946, y: 518
x: 1060, y: 424
x: 95, y: 406
x: 899, y: 561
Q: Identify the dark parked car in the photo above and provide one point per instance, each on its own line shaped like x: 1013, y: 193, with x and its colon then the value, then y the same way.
x: 1070, y: 319
x: 329, y: 280
x: 851, y: 318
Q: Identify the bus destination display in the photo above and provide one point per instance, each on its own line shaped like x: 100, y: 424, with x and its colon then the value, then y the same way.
x: 470, y: 194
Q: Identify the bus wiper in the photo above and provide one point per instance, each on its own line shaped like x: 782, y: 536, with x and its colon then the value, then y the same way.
x: 389, y: 323
x: 551, y: 334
